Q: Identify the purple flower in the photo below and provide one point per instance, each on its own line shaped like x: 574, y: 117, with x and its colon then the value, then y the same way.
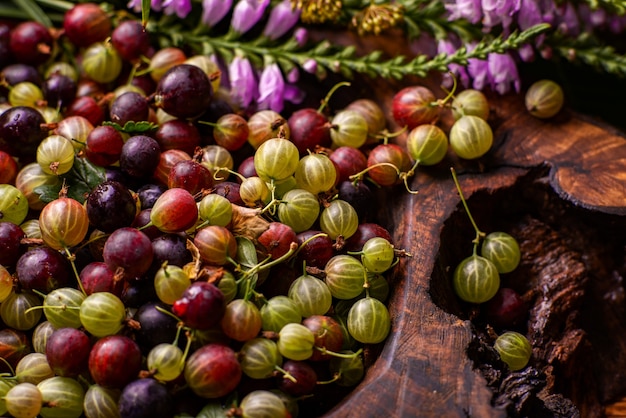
x: 478, y: 70
x: 529, y: 15
x: 568, y: 20
x: 446, y: 46
x: 499, y: 12
x: 301, y: 35
x: 293, y: 94
x: 526, y: 52
x: 282, y: 18
x: 294, y: 75
x: 617, y: 24
x: 310, y: 66
x: 592, y: 18
x: 424, y: 44
x: 246, y: 14
x: 271, y: 88
x: 470, y: 10
x: 214, y: 10
x: 135, y: 5
x: 503, y: 73
x: 243, y: 83
x: 273, y: 91
x: 180, y: 7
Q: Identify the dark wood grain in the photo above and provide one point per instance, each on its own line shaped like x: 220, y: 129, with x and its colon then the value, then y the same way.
x: 424, y: 369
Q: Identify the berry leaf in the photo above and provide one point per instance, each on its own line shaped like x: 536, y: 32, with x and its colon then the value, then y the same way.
x: 133, y: 128
x: 246, y: 252
x: 79, y: 182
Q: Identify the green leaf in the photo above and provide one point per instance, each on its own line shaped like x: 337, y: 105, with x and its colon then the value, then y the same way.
x: 246, y: 252
x: 82, y: 178
x: 133, y: 128
x: 145, y: 12
x: 35, y: 12
x: 79, y: 181
x: 247, y: 256
x: 48, y: 192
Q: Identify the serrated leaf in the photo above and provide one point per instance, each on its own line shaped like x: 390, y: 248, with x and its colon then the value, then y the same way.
x: 82, y: 178
x: 48, y: 192
x: 133, y: 128
x: 79, y: 182
x: 246, y: 252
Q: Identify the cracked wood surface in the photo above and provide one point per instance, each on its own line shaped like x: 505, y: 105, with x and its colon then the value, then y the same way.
x: 423, y: 369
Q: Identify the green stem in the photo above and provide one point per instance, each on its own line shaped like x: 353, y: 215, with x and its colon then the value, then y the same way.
x: 335, y: 377
x: 166, y: 312
x: 8, y: 365
x: 311, y: 238
x: 190, y: 336
x: 479, y: 234
x: 346, y: 62
x: 360, y: 174
x: 286, y: 374
x: 71, y: 257
x: 323, y: 350
x: 329, y: 95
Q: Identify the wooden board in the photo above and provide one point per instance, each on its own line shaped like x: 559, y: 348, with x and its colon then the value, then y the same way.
x: 424, y: 369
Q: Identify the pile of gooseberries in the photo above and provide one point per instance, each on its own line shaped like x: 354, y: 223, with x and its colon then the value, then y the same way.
x: 159, y: 244
x: 476, y: 280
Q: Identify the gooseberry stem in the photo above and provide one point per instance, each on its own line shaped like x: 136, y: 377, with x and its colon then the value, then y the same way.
x: 385, y: 134
x: 358, y: 176
x: 166, y: 312
x: 148, y: 225
x: 264, y: 266
x: 8, y: 365
x: 271, y: 206
x: 479, y: 234
x: 71, y: 258
x: 179, y: 328
x: 311, y: 238
x: 286, y: 374
x: 335, y: 377
x: 450, y: 94
x: 404, y: 176
x: 190, y: 336
x: 323, y: 350
x: 329, y: 95
x: 228, y: 170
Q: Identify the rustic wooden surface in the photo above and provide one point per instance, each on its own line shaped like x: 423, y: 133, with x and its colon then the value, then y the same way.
x: 424, y: 369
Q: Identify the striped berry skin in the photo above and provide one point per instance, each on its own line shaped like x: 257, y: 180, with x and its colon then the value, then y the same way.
x: 64, y: 223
